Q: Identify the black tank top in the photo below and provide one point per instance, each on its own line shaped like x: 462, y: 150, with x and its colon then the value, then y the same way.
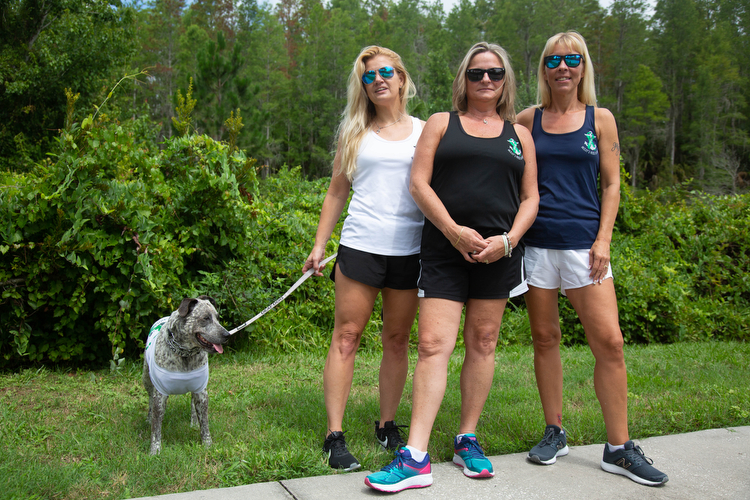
x: 478, y: 180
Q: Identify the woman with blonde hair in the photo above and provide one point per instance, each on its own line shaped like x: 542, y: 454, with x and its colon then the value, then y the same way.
x: 474, y: 177
x: 568, y: 248
x: 380, y: 241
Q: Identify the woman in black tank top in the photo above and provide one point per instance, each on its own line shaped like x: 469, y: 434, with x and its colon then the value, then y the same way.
x: 474, y: 178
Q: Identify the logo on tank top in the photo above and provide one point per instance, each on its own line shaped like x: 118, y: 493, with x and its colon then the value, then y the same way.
x: 590, y: 145
x: 515, y: 149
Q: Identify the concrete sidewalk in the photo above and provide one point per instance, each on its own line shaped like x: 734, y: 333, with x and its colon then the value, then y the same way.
x: 712, y: 464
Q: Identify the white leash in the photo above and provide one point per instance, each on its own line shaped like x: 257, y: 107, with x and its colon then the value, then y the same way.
x: 276, y: 302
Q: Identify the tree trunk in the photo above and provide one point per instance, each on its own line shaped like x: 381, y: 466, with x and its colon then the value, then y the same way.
x: 634, y: 166
x: 671, y: 145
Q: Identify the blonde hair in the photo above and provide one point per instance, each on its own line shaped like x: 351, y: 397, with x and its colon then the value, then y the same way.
x: 506, y: 104
x: 360, y: 111
x: 586, y: 87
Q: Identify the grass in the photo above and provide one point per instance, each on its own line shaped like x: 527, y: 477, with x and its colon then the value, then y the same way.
x: 83, y: 434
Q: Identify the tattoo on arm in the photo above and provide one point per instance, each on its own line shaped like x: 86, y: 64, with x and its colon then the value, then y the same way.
x: 615, y: 147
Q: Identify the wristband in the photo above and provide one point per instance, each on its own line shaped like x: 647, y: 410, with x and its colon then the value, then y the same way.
x: 509, y: 252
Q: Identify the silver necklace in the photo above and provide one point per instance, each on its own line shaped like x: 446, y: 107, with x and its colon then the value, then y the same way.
x: 386, y: 126
x: 484, y: 120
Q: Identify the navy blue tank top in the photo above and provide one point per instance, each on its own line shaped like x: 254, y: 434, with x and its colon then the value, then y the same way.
x: 567, y: 172
x: 478, y: 179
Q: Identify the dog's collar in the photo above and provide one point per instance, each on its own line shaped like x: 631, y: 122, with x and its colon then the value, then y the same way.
x: 177, y: 348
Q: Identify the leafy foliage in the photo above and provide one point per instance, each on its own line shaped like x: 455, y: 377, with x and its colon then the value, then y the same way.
x: 286, y: 211
x: 681, y: 261
x: 219, y: 88
x: 185, y: 105
x: 46, y: 47
x: 110, y: 236
x: 673, y: 72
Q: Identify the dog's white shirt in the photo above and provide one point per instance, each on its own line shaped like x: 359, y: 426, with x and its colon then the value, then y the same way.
x: 172, y: 383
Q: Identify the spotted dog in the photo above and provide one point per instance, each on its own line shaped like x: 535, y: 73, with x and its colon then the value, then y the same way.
x: 176, y: 362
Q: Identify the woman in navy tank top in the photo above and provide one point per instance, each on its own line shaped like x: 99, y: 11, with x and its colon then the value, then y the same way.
x: 568, y: 248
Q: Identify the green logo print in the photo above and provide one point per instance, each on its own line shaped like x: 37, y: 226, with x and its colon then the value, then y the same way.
x: 515, y: 147
x: 590, y: 144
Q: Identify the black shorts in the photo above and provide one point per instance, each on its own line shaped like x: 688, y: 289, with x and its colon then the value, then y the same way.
x: 454, y: 278
x: 378, y: 271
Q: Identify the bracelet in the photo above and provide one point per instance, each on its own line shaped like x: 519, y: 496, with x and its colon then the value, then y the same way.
x: 505, y: 244
x: 459, y: 235
x: 509, y: 252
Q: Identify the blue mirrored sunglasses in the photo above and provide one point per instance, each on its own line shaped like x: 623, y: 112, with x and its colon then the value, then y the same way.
x: 386, y: 72
x: 571, y: 60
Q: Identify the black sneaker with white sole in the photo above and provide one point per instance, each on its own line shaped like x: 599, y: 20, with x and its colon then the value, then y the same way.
x: 554, y: 444
x: 338, y: 454
x: 389, y: 436
x: 632, y: 463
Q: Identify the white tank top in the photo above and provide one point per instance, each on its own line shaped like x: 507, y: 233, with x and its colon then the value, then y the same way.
x: 383, y: 218
x: 172, y: 383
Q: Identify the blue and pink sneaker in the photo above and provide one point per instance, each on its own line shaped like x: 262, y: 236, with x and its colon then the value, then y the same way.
x: 401, y: 474
x: 470, y: 456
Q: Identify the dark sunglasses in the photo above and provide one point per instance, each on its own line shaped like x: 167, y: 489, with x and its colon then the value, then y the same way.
x: 386, y: 72
x: 571, y: 60
x: 476, y: 74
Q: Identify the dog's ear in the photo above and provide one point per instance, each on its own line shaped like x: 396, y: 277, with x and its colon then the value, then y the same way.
x: 186, y: 306
x: 210, y: 299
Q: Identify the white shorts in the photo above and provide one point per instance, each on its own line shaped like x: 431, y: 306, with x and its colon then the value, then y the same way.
x: 561, y: 269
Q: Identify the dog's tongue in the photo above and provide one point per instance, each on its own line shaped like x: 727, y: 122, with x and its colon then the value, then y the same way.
x: 218, y: 348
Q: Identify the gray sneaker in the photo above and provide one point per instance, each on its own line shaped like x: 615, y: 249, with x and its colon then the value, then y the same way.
x: 554, y: 444
x: 632, y: 463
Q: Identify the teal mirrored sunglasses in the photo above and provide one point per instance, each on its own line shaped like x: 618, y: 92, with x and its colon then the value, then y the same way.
x: 571, y: 60
x: 386, y: 72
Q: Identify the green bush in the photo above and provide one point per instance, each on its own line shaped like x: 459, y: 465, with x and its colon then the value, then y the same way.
x: 682, y: 268
x: 112, y: 232
x: 104, y: 240
x: 651, y: 292
x: 286, y: 210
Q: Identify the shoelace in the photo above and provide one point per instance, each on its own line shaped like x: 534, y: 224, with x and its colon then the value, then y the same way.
x: 637, y: 456
x: 549, y: 436
x: 473, y: 448
x: 338, y: 445
x: 393, y: 434
x: 396, y: 464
